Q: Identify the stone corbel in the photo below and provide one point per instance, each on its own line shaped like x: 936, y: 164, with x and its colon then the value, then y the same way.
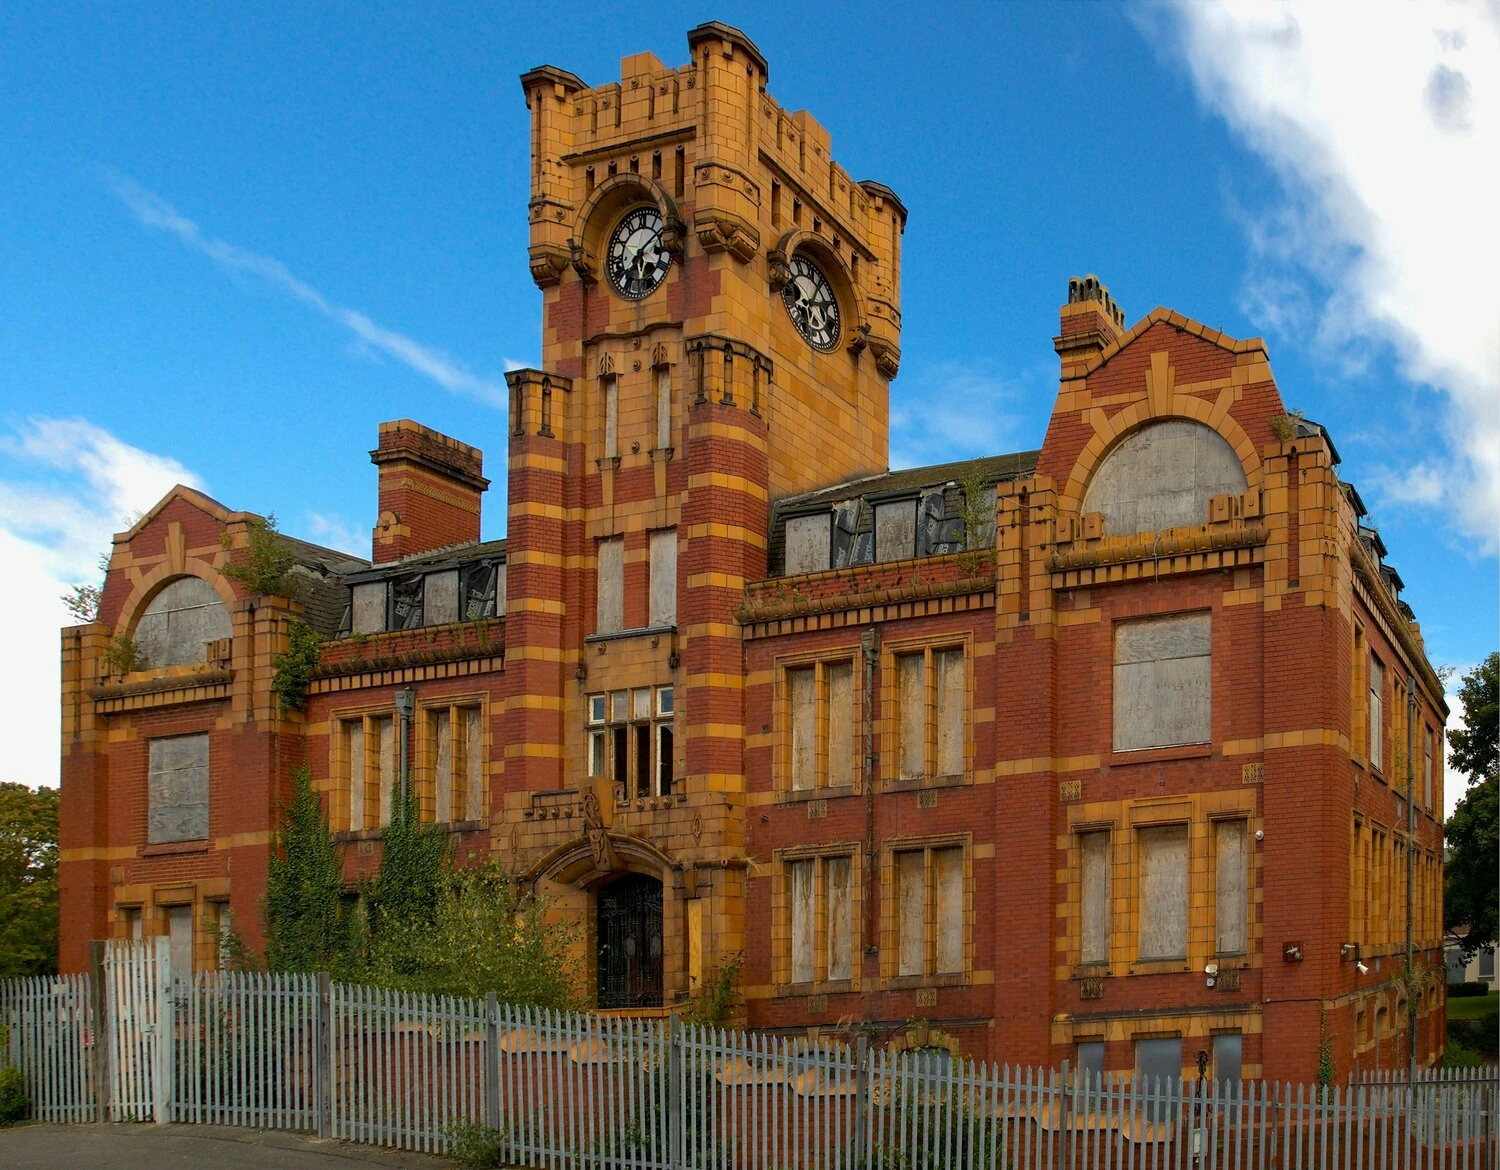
x: 725, y: 235
x: 859, y: 338
x: 887, y: 357
x: 673, y: 234
x: 778, y: 269
x: 580, y: 261
x: 548, y: 265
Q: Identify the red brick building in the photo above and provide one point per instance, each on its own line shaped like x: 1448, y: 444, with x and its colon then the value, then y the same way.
x: 1098, y: 752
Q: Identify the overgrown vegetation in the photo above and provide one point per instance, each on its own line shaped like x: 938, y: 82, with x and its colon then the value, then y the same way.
x: 1470, y: 895
x: 124, y: 655
x: 83, y: 601
x: 28, y: 881
x: 714, y: 1005
x: 478, y: 1147
x: 264, y: 566
x: 422, y: 924
x: 1284, y: 426
x: 978, y: 511
x: 14, y: 1103
x: 1327, y: 1070
x: 292, y: 670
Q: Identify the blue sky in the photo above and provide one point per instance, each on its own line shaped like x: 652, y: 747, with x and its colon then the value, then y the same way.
x: 237, y: 238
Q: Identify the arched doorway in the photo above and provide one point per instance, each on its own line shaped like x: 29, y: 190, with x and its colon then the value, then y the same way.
x: 630, y: 942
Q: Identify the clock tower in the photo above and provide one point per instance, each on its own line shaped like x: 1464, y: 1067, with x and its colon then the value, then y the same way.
x: 721, y: 322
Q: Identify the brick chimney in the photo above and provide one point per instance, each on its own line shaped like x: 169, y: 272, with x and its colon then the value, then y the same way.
x: 429, y: 491
x: 1090, y: 321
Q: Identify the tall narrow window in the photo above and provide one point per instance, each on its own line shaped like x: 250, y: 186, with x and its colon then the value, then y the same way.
x: 819, y: 919
x: 775, y: 203
x: 1230, y: 887
x: 180, y: 936
x: 1164, y: 892
x: 1427, y: 768
x: 1377, y: 714
x: 664, y: 407
x: 801, y: 696
x: 367, y: 756
x: 911, y: 887
x: 838, y: 916
x: 177, y: 789
x: 454, y: 790
x: 804, y: 919
x: 819, y: 719
x: 611, y: 418
x: 1094, y: 892
x: 664, y: 577
x: 611, y: 600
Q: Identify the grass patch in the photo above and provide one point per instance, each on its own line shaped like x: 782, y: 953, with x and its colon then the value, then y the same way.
x: 1474, y: 1007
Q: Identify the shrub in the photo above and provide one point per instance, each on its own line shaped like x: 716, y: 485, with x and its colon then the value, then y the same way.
x: 1455, y: 1055
x: 14, y: 1103
x: 1466, y: 990
x: 477, y: 1147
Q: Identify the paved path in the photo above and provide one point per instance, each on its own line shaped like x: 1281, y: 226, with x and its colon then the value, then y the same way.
x: 163, y: 1147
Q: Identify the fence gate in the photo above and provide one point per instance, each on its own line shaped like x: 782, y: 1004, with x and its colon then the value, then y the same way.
x: 137, y: 998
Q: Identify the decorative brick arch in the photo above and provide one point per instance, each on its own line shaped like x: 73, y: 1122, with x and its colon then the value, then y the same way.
x: 164, y: 574
x: 576, y: 863
x: 598, y: 211
x: 835, y: 266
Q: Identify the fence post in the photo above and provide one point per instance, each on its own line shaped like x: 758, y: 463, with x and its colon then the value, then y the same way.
x: 491, y: 1060
x: 675, y: 1128
x: 101, y: 1007
x: 861, y: 1099
x: 166, y: 1033
x: 323, y: 1049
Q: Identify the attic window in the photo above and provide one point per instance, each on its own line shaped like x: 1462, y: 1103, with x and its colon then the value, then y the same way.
x: 481, y: 590
x: 1162, y: 476
x: 406, y: 608
x: 184, y: 616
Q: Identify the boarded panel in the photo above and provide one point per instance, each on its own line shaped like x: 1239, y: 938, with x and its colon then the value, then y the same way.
x: 1094, y: 894
x: 1162, y: 476
x: 911, y: 714
x: 611, y: 419
x: 802, y: 698
x: 611, y: 602
x: 840, y: 750
x: 180, y: 619
x: 354, y: 753
x: 178, y: 789
x: 385, y: 771
x: 1164, y: 892
x: 896, y: 530
x: 948, y: 882
x: 952, y: 703
x: 474, y: 762
x: 664, y: 577
x: 807, y: 543
x: 804, y: 920
x: 664, y: 407
x: 1163, y: 677
x: 911, y: 904
x: 442, y: 736
x: 1229, y: 887
x: 180, y: 934
x: 840, y: 919
x: 440, y: 598
x: 369, y: 608
x: 1227, y: 1061
x: 1377, y: 712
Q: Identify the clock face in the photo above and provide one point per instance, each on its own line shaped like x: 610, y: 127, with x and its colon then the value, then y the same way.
x: 637, y: 262
x: 809, y: 299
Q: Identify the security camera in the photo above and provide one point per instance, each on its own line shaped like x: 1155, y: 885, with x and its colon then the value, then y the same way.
x: 1361, y: 968
x: 1211, y: 969
x: 1260, y: 834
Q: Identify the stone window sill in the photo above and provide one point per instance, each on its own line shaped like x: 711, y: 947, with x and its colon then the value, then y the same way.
x: 917, y: 783
x: 801, y: 795
x: 1187, y: 751
x: 171, y: 848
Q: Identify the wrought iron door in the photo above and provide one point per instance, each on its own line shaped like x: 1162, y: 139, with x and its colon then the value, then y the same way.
x: 630, y: 943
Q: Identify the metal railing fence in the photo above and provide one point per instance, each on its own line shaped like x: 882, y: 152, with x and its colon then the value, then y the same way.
x: 571, y: 1091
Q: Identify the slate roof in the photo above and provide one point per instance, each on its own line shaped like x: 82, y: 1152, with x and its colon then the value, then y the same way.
x: 320, y: 579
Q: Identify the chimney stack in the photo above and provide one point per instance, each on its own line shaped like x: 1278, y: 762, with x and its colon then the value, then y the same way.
x: 1090, y: 321
x: 429, y: 491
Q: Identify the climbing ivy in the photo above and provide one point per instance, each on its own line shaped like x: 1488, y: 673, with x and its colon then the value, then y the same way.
x: 292, y: 669
x: 265, y: 566
x: 308, y: 926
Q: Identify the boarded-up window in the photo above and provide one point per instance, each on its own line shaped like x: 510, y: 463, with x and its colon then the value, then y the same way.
x: 802, y: 697
x: 930, y: 927
x: 442, y: 734
x: 1377, y: 713
x: 664, y: 577
x: 186, y: 614
x: 1228, y: 1062
x: 1158, y: 1065
x: 839, y: 754
x: 611, y: 601
x: 664, y: 407
x: 840, y: 917
x: 807, y: 543
x: 911, y: 892
x: 178, y: 789
x: 1164, y: 892
x: 369, y: 607
x: 1426, y: 768
x: 1229, y: 887
x: 440, y: 598
x: 381, y: 732
x: 951, y: 694
x: 1091, y: 1060
x: 180, y: 936
x: 611, y: 419
x: 804, y: 919
x: 1162, y: 476
x: 1095, y: 855
x: 473, y: 764
x: 1162, y: 682
x: 352, y: 731
x: 948, y: 882
x: 911, y: 700
x: 895, y: 530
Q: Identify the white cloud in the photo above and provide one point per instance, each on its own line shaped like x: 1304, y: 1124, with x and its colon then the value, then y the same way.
x: 949, y: 411
x: 336, y: 532
x: 1384, y: 130
x: 66, y: 487
x: 154, y: 211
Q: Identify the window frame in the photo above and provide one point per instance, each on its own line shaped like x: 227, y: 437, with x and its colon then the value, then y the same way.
x: 169, y: 842
x: 341, y: 814
x: 819, y: 663
x: 1130, y: 752
x: 890, y: 908
x: 426, y: 775
x: 890, y: 707
x: 819, y: 857
x: 601, y: 726
x: 1141, y: 958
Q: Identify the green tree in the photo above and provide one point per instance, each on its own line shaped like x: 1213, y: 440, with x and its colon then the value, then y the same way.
x: 307, y: 925
x: 1470, y: 895
x: 28, y: 880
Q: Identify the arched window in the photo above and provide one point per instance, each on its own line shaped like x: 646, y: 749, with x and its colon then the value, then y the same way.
x: 179, y: 620
x: 1162, y: 476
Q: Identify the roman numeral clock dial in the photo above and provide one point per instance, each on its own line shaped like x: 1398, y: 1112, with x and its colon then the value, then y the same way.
x: 637, y: 262
x: 810, y: 301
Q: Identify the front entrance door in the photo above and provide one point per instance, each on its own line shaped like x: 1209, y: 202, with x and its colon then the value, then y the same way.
x: 629, y: 925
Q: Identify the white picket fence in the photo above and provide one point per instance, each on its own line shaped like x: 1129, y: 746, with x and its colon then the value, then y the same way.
x: 570, y: 1091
